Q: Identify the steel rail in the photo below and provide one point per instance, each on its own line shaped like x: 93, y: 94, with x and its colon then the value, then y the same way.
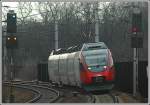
x: 37, y: 86
x: 34, y: 99
x: 105, y: 98
x: 114, y: 97
x: 91, y: 99
x: 27, y: 83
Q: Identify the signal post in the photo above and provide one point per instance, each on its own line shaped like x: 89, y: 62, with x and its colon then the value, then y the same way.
x: 136, y: 42
x: 11, y: 44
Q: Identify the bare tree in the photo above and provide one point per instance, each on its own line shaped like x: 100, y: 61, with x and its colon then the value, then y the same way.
x: 24, y: 10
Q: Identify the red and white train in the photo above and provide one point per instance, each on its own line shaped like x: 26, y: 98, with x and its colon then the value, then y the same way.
x: 89, y: 66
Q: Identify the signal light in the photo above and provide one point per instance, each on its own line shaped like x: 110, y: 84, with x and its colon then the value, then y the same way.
x: 11, y: 42
x: 137, y: 21
x: 8, y: 38
x: 11, y: 22
x: 134, y: 29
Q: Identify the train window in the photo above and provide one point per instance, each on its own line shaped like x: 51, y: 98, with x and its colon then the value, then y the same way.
x: 96, y: 63
x: 95, y: 59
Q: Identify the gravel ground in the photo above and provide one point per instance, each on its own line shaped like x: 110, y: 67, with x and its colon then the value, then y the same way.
x: 70, y: 98
x: 128, y: 98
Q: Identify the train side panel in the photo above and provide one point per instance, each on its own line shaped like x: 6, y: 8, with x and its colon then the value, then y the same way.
x: 70, y: 70
x: 63, y: 68
x: 77, y: 69
x: 73, y: 69
x: 53, y: 69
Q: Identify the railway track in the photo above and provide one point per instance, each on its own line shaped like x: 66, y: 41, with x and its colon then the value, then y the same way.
x: 65, y: 93
x: 37, y: 94
x: 70, y: 92
x: 106, y: 98
x: 55, y: 94
x: 48, y: 95
x: 44, y: 94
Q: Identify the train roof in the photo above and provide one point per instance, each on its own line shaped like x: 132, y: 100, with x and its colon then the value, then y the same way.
x: 92, y: 46
x: 66, y: 50
x: 83, y: 47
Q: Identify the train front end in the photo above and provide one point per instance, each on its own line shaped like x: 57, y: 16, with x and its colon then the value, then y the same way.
x: 96, y: 67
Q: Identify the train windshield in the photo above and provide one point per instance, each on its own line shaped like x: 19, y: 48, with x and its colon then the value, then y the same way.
x: 96, y: 59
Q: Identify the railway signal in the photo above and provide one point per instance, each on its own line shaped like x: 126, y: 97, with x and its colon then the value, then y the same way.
x: 136, y: 42
x: 136, y: 20
x: 11, y: 22
x: 11, y: 41
x: 136, y: 39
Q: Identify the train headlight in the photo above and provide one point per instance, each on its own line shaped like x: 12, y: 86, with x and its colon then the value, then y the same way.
x: 15, y: 38
x: 89, y: 68
x: 105, y: 67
